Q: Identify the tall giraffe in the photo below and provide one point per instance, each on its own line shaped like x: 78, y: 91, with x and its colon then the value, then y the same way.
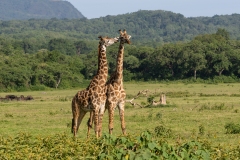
x: 93, y: 98
x: 115, y: 91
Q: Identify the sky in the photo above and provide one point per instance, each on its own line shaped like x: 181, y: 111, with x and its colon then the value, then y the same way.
x: 189, y: 8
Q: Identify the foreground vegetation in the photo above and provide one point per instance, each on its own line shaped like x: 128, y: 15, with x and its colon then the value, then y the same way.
x: 199, y: 121
x: 144, y: 146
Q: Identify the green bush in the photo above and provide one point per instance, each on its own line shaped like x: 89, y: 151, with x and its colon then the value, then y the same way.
x: 232, y: 128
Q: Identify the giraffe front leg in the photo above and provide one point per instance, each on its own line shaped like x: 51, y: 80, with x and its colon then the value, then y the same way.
x: 100, y: 118
x: 96, y: 123
x: 74, y: 126
x: 75, y: 112
x: 121, y: 113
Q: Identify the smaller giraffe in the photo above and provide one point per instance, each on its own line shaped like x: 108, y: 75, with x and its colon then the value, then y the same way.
x: 93, y: 98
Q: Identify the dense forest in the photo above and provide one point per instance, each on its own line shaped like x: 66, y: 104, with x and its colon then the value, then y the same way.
x: 207, y: 56
x: 39, y: 9
x: 39, y: 54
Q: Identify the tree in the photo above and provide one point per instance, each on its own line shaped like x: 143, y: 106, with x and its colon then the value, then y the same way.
x: 224, y: 33
x: 196, y: 59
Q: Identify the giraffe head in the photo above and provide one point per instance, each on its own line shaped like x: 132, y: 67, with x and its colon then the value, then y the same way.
x: 124, y: 37
x: 106, y: 41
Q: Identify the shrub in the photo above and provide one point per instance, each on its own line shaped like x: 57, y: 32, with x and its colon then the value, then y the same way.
x: 232, y: 128
x: 161, y: 131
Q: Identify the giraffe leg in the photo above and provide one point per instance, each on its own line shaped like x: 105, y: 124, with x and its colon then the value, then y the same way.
x: 90, y: 121
x: 79, y: 120
x: 75, y: 112
x: 95, y: 116
x: 100, y: 118
x: 74, y: 125
x: 121, y: 113
x: 110, y: 116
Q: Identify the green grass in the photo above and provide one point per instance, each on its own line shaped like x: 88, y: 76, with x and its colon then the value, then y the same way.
x: 194, y: 111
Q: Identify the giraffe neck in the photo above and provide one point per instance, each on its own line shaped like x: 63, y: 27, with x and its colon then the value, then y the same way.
x: 119, y: 67
x: 102, y: 62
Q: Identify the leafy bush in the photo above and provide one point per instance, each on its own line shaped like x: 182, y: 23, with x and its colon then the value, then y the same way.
x: 161, y: 131
x: 225, y: 79
x: 150, y: 99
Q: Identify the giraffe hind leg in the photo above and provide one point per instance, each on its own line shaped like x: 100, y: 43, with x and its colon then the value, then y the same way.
x: 74, y: 125
x: 79, y: 120
x: 111, y: 116
x: 89, y: 123
x: 121, y: 113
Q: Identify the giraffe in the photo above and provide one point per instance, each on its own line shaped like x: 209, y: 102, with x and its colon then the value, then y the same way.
x: 93, y: 98
x: 115, y: 91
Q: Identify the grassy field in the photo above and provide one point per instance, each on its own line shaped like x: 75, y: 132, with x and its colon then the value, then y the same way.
x: 193, y: 111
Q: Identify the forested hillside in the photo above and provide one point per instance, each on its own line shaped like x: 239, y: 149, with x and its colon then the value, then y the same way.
x: 145, y: 26
x: 38, y: 9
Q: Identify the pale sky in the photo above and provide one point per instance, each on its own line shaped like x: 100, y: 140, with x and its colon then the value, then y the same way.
x: 189, y: 8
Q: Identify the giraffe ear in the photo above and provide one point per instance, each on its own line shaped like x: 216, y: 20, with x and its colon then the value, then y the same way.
x: 120, y: 31
x: 100, y: 37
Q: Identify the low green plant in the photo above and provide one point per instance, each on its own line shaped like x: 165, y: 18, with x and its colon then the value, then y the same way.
x: 52, y: 113
x: 159, y: 115
x: 220, y: 106
x: 161, y: 131
x: 216, y: 106
x: 201, y: 129
x: 63, y: 99
x: 150, y: 99
x: 232, y: 128
x: 8, y: 115
x: 236, y: 111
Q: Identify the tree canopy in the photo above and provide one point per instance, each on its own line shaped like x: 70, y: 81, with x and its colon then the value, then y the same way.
x: 65, y: 65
